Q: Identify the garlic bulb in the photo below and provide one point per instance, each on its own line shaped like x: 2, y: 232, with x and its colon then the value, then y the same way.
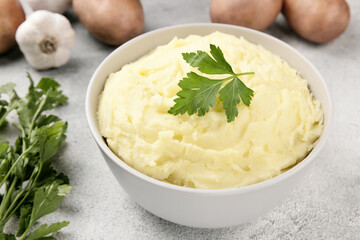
x: 58, y: 6
x: 45, y: 38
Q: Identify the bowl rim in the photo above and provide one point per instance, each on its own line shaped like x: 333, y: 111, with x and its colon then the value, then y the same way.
x: 210, y: 192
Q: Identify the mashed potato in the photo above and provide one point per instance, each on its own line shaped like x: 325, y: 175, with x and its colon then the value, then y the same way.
x: 274, y: 133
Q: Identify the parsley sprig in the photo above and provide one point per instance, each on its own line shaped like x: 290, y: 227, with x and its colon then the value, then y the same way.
x: 198, y: 93
x: 30, y: 187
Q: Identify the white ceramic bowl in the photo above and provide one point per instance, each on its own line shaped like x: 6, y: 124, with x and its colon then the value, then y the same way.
x: 196, y: 207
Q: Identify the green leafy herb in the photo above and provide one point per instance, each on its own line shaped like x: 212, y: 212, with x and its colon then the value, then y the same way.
x: 44, y: 230
x: 198, y: 93
x: 31, y: 187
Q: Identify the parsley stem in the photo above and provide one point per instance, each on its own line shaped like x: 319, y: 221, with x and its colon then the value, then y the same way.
x: 26, y: 231
x: 244, y: 73
x: 27, y: 193
x: 16, y: 162
x: 235, y: 75
x: 22, y: 200
x: 2, y: 119
x: 23, y: 134
x: 8, y: 214
x: 37, y: 113
x: 5, y: 201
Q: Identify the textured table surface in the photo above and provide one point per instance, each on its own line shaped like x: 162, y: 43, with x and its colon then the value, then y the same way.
x: 326, y: 205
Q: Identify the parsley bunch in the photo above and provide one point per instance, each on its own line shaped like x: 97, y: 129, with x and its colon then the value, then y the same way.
x: 198, y: 93
x: 30, y: 187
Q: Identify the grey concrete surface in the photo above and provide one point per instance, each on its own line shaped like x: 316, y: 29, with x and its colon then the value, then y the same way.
x: 326, y: 205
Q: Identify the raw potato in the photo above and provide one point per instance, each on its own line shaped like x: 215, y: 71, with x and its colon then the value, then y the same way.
x: 111, y: 21
x: 318, y: 21
x: 11, y: 16
x: 256, y: 14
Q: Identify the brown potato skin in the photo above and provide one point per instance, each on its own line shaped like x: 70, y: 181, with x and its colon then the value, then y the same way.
x: 111, y: 21
x: 255, y: 14
x: 11, y: 16
x: 317, y: 21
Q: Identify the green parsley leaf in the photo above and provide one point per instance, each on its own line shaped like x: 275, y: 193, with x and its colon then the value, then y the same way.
x: 46, y: 120
x: 45, y: 96
x: 5, y: 158
x: 44, y: 230
x: 24, y: 221
x: 64, y: 189
x: 47, y: 83
x: 230, y: 95
x: 46, y: 201
x: 5, y: 106
x: 3, y: 146
x: 50, y: 138
x: 198, y: 93
x: 4, y: 236
x: 6, y: 88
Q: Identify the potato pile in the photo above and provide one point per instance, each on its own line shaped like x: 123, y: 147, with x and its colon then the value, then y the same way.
x: 116, y: 21
x: 319, y: 21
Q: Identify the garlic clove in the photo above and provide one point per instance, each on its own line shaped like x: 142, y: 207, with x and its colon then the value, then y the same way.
x: 45, y: 20
x: 40, y: 61
x: 62, y: 57
x: 31, y: 34
x: 63, y: 34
